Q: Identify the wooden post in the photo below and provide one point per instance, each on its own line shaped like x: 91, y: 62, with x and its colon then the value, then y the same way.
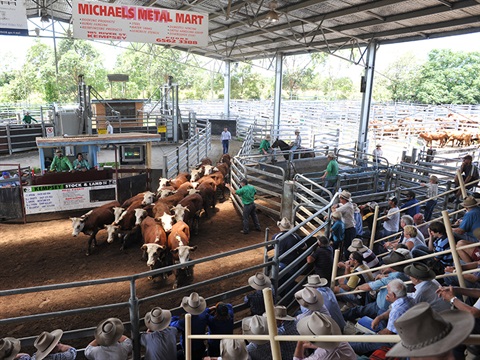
x: 451, y: 241
x: 336, y: 258
x: 187, y: 340
x: 461, y: 183
x: 272, y: 324
x: 374, y: 227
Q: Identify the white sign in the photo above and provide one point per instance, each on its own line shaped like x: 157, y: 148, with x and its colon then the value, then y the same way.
x: 13, y: 18
x: 93, y: 20
x: 49, y: 131
x: 73, y: 196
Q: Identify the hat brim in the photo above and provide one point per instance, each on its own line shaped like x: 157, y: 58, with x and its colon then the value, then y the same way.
x: 286, y: 317
x: 322, y: 283
x: 194, y: 311
x: 430, y: 275
x: 16, y: 347
x: 310, y: 306
x: 253, y: 284
x: 100, y: 335
x: 303, y: 329
x: 462, y: 324
x: 167, y: 317
x: 57, y: 334
x: 360, y: 250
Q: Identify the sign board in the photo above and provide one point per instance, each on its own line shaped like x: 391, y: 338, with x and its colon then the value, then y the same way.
x: 161, y: 129
x: 102, y: 131
x: 73, y: 196
x: 93, y: 20
x: 49, y: 131
x: 13, y: 18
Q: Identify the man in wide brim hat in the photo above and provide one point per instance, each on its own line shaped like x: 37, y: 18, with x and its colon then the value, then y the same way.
x: 109, y: 331
x: 194, y: 304
x: 232, y: 349
x: 397, y: 256
x: 315, y: 281
x: 319, y: 324
x: 424, y: 332
x: 281, y: 314
x: 346, y: 195
x: 357, y: 245
x: 157, y: 319
x: 259, y: 281
x: 255, y: 325
x: 469, y: 202
x: 419, y: 271
x: 46, y: 342
x: 9, y: 348
x: 284, y: 224
x: 309, y: 298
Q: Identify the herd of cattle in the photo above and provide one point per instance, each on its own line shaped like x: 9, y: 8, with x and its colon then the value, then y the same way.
x: 162, y: 220
x: 453, y: 129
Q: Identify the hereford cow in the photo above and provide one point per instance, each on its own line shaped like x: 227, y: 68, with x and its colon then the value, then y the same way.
x: 196, y: 174
x: 187, y: 211
x: 93, y: 221
x: 161, y: 212
x: 178, y: 243
x: 174, y: 199
x: 226, y: 159
x: 180, y: 179
x: 207, y: 192
x: 146, y: 198
x: 155, y: 244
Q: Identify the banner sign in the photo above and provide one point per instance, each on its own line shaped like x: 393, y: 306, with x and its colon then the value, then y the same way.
x: 139, y: 24
x: 13, y: 18
x: 73, y: 196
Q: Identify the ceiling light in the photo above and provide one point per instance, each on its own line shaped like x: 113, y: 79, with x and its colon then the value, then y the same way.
x: 272, y: 16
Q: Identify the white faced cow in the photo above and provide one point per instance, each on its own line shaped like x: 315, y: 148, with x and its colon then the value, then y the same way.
x: 148, y: 198
x: 154, y: 249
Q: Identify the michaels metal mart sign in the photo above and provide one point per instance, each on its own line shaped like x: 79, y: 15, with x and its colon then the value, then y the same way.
x: 139, y: 24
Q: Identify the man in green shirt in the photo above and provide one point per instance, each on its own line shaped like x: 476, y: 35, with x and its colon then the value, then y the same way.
x: 27, y: 119
x: 60, y: 162
x: 331, y: 173
x: 247, y: 194
x: 80, y: 163
x: 265, y: 148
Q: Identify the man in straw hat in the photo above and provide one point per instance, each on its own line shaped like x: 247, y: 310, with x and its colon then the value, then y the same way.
x: 109, y: 341
x: 257, y: 349
x: 160, y: 340
x: 321, y: 324
x: 49, y: 347
x: 10, y: 349
x: 469, y: 222
x: 231, y: 349
x: 378, y: 153
x: 346, y: 209
x: 329, y: 298
x: 197, y: 307
x: 426, y: 334
x: 331, y: 173
x: 381, y: 304
x: 265, y: 149
x: 423, y: 279
x: 286, y: 243
x: 310, y: 300
x: 369, y: 257
x: 259, y: 281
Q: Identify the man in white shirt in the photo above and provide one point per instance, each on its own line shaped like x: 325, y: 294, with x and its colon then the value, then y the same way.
x: 225, y: 137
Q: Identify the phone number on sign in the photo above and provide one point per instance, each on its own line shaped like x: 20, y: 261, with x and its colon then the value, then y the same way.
x: 176, y: 41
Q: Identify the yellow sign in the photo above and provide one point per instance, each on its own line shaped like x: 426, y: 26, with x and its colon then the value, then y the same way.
x: 102, y: 131
x: 161, y: 129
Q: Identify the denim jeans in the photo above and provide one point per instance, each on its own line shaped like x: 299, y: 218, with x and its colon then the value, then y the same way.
x: 250, y: 211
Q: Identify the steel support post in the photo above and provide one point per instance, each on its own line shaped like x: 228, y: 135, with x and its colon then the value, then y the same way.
x: 226, y: 90
x: 278, y: 93
x: 367, y: 86
x: 287, y: 201
x: 134, y: 320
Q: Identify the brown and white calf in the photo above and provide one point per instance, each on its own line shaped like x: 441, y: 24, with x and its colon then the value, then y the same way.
x: 155, y: 244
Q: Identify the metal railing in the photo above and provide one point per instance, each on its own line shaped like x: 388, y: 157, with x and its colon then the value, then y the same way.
x: 189, y: 154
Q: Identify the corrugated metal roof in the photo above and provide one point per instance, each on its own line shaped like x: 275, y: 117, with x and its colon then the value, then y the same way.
x: 240, y: 30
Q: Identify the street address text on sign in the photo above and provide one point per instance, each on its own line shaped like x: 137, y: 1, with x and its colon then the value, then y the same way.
x: 92, y: 20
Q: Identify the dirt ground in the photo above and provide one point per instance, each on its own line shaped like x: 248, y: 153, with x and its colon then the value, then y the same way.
x: 45, y: 253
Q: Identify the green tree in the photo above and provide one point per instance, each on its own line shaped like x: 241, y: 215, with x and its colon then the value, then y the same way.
x: 449, y: 77
x: 245, y: 83
x: 299, y: 72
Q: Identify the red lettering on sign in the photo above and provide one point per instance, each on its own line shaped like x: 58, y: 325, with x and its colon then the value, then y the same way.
x: 189, y: 19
